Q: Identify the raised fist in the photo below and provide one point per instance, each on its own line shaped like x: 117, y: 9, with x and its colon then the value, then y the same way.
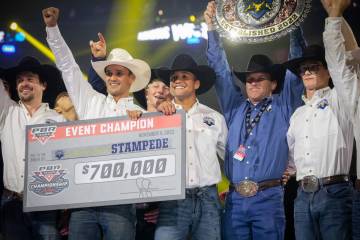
x: 50, y: 16
x: 335, y: 8
x: 209, y: 14
x: 98, y: 49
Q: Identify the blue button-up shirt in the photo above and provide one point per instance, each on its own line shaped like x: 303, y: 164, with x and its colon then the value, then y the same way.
x: 266, y: 146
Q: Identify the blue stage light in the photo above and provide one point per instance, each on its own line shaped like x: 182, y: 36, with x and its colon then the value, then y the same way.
x: 193, y: 40
x: 20, y: 37
x: 8, y: 48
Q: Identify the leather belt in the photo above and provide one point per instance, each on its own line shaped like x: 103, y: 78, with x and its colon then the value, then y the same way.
x: 11, y: 194
x: 312, y: 183
x: 248, y: 188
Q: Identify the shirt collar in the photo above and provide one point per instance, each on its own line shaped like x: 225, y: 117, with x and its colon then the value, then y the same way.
x: 43, y: 108
x: 125, y: 100
x: 193, y: 108
x: 319, y: 94
x: 264, y: 100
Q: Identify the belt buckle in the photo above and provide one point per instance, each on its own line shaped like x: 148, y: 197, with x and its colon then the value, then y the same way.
x: 247, y: 188
x: 310, y: 184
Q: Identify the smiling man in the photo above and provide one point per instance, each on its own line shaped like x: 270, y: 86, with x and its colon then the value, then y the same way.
x: 198, y: 215
x: 31, y: 83
x: 122, y: 74
x: 256, y: 151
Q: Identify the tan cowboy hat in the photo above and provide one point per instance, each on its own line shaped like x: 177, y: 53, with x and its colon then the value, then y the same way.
x: 138, y: 67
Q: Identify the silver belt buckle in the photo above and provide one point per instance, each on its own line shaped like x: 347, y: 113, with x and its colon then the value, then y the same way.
x: 247, y: 188
x: 310, y: 184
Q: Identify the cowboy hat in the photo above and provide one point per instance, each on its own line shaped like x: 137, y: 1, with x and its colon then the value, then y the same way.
x: 262, y: 63
x: 184, y: 62
x: 140, y: 95
x: 118, y: 56
x: 47, y: 74
x: 313, y: 52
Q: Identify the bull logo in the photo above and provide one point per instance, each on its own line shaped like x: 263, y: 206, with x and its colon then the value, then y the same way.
x: 258, y: 8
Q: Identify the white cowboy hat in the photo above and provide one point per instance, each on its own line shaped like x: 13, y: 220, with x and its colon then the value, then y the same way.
x: 138, y: 67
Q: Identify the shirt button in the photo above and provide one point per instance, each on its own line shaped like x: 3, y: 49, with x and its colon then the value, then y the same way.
x: 307, y: 120
x: 190, y: 147
x: 191, y: 164
x: 191, y: 180
x: 114, y: 110
x: 188, y: 116
x: 251, y: 134
x: 308, y: 154
x: 310, y: 170
x: 306, y: 136
x: 247, y: 162
x: 22, y: 176
x: 189, y: 131
x: 249, y: 147
x: 315, y: 115
x: 246, y: 177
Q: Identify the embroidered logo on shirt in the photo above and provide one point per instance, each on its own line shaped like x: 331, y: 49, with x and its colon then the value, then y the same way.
x: 323, y: 104
x: 42, y: 134
x: 209, y: 121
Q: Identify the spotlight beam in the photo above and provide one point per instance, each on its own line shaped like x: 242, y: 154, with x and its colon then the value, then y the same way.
x: 36, y: 43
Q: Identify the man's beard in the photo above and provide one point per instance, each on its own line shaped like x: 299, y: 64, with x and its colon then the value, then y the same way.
x: 27, y: 98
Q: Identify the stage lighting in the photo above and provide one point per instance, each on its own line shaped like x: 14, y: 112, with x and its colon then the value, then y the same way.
x: 192, y: 18
x: 19, y: 37
x: 8, y: 48
x: 13, y: 26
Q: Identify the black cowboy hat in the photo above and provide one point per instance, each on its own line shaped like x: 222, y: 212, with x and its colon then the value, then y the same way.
x: 184, y: 62
x: 312, y: 52
x: 140, y: 95
x: 47, y: 74
x: 262, y: 63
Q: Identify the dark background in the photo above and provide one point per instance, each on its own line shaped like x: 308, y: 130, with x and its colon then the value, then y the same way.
x: 120, y: 20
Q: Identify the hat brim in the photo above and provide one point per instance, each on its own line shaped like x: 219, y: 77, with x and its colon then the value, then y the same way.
x: 294, y: 64
x: 139, y: 68
x: 47, y: 73
x: 203, y: 73
x: 277, y: 72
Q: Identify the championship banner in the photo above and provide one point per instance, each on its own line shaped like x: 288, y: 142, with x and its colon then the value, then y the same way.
x: 256, y: 21
x: 105, y: 162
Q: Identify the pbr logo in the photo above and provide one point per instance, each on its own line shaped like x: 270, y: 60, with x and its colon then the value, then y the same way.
x: 42, y: 134
x: 255, y: 21
x: 49, y: 180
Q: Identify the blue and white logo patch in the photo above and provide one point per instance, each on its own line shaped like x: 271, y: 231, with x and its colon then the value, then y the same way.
x: 323, y: 104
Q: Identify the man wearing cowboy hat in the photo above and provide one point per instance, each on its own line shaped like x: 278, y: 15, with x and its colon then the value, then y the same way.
x: 257, y: 153
x: 33, y: 83
x: 343, y: 57
x: 122, y: 74
x: 149, y: 98
x: 198, y: 215
x: 320, y: 139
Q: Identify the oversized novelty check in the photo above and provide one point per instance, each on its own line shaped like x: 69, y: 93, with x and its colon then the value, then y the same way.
x: 105, y: 162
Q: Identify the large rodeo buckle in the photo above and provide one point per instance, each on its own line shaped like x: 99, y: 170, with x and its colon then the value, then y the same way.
x: 310, y: 184
x: 247, y: 188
